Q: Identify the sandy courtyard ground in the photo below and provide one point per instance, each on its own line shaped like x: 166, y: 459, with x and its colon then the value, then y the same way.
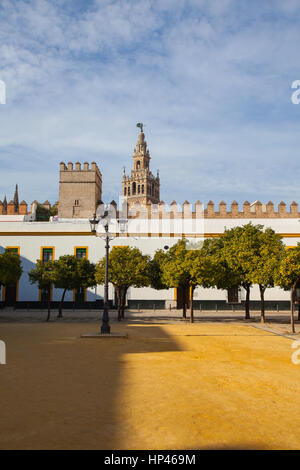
x: 167, y: 386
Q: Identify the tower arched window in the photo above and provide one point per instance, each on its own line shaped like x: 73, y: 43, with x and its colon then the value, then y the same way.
x: 133, y: 188
x: 124, y: 191
x: 138, y: 165
x: 142, y: 189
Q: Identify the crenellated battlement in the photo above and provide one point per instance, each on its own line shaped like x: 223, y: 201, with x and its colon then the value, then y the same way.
x: 10, y: 209
x: 255, y: 210
x: 191, y: 220
x: 78, y: 167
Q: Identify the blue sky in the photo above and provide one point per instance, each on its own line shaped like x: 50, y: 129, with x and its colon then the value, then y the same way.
x: 210, y: 79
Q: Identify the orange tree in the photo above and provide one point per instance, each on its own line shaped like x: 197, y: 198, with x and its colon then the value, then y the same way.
x: 176, y: 270
x: 270, y: 251
x: 71, y: 273
x: 42, y: 276
x: 288, y: 276
x: 10, y: 268
x: 126, y: 267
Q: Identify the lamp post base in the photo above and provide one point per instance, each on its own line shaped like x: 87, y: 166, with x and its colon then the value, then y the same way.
x: 105, y: 328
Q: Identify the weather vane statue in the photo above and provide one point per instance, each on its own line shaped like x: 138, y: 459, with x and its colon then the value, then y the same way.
x: 140, y: 125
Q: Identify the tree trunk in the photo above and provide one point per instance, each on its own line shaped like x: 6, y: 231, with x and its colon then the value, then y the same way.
x: 48, y: 302
x: 184, y: 302
x: 292, y: 309
x: 192, y: 305
x: 184, y: 309
x: 262, y: 303
x: 299, y: 310
x: 124, y: 290
x: 61, y: 304
x: 119, y: 303
x: 247, y: 303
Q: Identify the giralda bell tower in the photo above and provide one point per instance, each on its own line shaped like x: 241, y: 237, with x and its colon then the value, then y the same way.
x: 141, y: 187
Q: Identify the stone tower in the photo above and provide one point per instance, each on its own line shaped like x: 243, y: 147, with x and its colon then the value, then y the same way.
x: 80, y: 190
x: 141, y: 187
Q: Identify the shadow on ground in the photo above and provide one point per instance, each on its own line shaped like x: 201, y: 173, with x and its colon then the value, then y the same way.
x: 59, y: 391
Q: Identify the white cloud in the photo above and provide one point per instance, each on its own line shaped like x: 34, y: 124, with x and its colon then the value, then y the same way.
x: 210, y: 79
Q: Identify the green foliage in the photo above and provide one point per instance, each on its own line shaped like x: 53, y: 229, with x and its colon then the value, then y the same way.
x: 156, y: 270
x: 185, y: 267
x: 10, y: 268
x: 253, y: 254
x: 176, y: 268
x: 43, y: 214
x: 53, y: 210
x: 270, y: 252
x: 241, y: 250
x: 288, y: 275
x: 85, y: 273
x: 71, y: 273
x: 66, y: 273
x: 42, y: 274
x: 211, y: 269
x: 247, y: 255
x: 127, y: 267
x: 243, y: 256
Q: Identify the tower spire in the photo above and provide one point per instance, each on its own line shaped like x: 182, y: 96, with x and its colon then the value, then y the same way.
x: 5, y: 205
x: 16, y: 200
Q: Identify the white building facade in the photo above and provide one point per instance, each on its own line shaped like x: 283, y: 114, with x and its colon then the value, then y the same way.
x: 50, y: 240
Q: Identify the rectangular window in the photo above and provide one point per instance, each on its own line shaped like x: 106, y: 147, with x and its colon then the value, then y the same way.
x: 47, y: 254
x: 76, y: 202
x: 79, y: 295
x: 13, y: 249
x: 80, y: 253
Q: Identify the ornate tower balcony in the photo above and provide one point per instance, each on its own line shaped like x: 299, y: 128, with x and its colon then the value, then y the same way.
x: 141, y: 186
